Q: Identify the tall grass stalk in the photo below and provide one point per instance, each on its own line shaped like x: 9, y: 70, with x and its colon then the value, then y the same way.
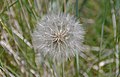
x: 63, y: 72
x: 8, y: 7
x: 76, y: 4
x: 56, y: 73
x: 101, y: 41
x: 115, y: 38
x: 76, y: 55
x: 25, y: 16
x: 64, y: 6
x: 77, y: 65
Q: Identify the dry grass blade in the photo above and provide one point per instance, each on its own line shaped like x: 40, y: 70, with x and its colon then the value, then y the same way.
x: 10, y: 50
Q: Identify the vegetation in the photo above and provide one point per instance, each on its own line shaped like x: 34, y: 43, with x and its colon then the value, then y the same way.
x: 100, y: 19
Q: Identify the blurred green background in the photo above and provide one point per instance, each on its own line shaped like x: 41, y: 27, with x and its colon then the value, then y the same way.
x: 100, y: 18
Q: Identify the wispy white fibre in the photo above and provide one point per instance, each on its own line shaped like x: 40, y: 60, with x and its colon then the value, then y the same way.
x: 58, y: 36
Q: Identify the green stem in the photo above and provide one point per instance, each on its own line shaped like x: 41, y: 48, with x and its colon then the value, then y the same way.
x: 77, y: 64
x: 76, y: 8
x: 63, y: 69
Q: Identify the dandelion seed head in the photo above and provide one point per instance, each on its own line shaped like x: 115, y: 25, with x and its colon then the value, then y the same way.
x: 58, y: 36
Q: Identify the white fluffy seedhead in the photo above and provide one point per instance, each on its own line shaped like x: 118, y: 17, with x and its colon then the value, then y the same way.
x: 58, y: 36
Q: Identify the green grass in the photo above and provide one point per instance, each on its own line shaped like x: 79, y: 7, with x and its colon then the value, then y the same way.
x: 100, y: 18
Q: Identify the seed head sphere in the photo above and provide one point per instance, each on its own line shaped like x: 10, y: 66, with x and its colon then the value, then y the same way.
x: 58, y: 36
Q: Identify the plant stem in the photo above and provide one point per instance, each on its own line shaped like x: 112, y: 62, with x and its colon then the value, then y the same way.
x: 115, y: 37
x: 77, y: 64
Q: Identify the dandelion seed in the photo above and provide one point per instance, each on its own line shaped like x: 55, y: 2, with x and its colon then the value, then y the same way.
x: 58, y: 36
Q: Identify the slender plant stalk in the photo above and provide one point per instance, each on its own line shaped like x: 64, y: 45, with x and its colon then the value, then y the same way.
x: 33, y: 11
x: 55, y: 70
x: 77, y: 57
x: 63, y: 70
x: 63, y: 61
x: 6, y: 8
x: 25, y: 16
x: 115, y: 37
x: 101, y: 42
x: 64, y: 6
x: 76, y: 8
x: 77, y: 64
